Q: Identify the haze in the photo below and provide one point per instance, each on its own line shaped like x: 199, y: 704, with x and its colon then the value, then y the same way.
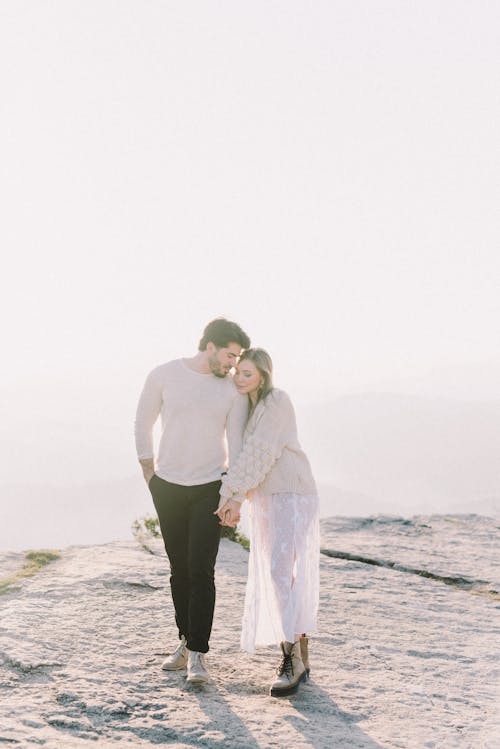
x: 324, y: 173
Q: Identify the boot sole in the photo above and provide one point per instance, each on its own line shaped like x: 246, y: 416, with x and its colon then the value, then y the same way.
x: 174, y: 668
x: 288, y: 690
x: 196, y: 680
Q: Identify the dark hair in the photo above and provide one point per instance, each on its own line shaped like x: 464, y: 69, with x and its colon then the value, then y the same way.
x: 264, y: 364
x: 221, y: 333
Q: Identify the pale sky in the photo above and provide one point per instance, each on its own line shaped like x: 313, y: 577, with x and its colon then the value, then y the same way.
x: 325, y: 173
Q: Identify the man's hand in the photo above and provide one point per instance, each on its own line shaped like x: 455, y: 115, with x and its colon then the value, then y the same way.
x: 148, y: 469
x: 229, y: 513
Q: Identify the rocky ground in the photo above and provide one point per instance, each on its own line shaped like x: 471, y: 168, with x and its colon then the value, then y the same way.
x: 400, y: 660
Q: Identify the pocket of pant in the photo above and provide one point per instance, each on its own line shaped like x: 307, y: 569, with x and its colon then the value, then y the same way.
x: 150, y: 480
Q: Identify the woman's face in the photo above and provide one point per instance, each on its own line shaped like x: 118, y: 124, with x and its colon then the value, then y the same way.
x: 247, y: 379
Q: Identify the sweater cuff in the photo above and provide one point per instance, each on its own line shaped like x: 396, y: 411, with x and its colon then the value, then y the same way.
x: 238, y: 498
x: 227, y: 493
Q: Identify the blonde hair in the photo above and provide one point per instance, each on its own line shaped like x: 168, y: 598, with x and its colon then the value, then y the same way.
x: 264, y: 364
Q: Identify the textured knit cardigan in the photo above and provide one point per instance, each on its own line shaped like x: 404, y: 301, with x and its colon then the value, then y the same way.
x: 271, y: 459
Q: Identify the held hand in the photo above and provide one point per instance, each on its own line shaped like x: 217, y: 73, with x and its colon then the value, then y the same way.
x: 229, y: 513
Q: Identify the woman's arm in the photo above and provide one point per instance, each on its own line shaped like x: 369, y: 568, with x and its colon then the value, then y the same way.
x: 261, y: 450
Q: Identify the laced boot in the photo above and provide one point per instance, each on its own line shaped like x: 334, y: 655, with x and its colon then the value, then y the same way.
x: 304, y: 653
x: 290, y: 672
x: 178, y: 659
x: 197, y: 671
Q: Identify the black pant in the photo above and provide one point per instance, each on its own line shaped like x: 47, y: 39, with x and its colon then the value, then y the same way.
x: 191, y: 533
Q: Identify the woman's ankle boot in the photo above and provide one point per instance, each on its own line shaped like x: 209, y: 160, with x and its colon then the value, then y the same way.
x: 304, y: 653
x: 290, y: 671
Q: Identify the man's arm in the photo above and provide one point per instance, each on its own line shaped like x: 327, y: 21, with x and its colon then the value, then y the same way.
x: 235, y: 426
x: 148, y: 409
x: 148, y: 468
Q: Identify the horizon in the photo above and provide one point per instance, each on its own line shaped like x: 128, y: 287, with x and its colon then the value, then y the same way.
x: 445, y: 465
x: 325, y: 175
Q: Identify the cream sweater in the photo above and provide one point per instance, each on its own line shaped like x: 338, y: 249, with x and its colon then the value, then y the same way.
x: 202, y: 419
x: 271, y: 460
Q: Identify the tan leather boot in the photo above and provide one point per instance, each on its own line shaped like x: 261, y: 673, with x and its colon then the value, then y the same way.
x: 290, y: 672
x: 304, y: 653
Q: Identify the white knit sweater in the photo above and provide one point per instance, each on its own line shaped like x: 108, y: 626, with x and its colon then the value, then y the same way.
x: 198, y: 411
x: 271, y: 459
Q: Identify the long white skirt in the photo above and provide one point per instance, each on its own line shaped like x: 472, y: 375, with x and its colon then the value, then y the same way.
x: 282, y: 592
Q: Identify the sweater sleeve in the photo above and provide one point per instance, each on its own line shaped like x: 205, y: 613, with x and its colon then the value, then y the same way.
x: 261, y: 450
x: 235, y: 426
x: 148, y: 409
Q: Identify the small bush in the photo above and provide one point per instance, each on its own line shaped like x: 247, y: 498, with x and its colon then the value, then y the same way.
x: 233, y: 534
x: 149, y: 527
x: 146, y: 527
x: 42, y: 557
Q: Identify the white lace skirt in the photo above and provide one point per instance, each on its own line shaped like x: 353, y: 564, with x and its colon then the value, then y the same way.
x: 282, y: 592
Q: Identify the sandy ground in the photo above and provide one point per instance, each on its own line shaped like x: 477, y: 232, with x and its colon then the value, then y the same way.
x: 399, y: 660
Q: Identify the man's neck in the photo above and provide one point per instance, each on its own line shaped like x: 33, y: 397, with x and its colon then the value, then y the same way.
x: 198, y: 363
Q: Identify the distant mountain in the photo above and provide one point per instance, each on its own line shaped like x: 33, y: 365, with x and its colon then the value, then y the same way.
x: 42, y: 515
x: 337, y: 501
x: 373, y: 453
x: 410, y: 454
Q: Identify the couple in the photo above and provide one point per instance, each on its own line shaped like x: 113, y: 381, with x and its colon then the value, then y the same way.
x: 225, y: 439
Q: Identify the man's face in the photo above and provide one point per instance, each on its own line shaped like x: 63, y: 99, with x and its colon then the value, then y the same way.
x: 221, y: 360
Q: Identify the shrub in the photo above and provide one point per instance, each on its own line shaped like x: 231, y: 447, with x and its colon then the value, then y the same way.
x: 149, y: 527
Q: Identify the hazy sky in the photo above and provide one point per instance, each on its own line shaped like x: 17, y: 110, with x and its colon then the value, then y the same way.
x: 326, y: 173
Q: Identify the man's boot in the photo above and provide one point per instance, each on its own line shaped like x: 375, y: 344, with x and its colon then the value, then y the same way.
x: 290, y: 672
x: 197, y: 670
x: 178, y: 659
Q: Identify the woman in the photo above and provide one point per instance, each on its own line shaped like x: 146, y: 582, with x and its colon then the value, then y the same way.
x: 272, y: 471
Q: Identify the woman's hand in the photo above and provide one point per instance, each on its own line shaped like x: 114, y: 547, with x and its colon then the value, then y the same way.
x: 229, y: 513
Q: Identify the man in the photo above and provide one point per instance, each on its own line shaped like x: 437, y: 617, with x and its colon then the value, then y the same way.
x: 200, y: 409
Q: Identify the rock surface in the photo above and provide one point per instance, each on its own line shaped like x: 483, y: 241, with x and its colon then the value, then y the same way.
x: 400, y: 660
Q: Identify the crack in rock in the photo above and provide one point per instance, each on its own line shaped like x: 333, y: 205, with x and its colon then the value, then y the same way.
x: 459, y: 582
x: 120, y: 584
x: 27, y: 668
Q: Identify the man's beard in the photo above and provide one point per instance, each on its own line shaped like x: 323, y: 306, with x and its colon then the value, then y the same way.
x: 216, y: 367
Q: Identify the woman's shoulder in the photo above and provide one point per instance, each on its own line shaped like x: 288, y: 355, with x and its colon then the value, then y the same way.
x: 278, y: 399
x: 277, y: 395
